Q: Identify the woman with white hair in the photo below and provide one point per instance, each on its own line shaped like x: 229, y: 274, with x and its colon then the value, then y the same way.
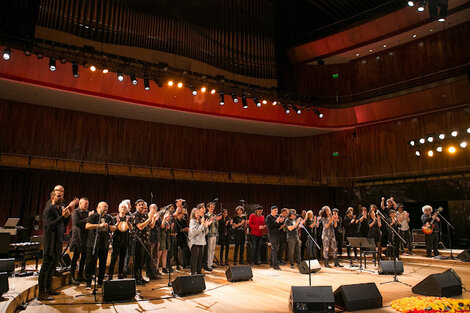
x: 197, y: 238
x: 432, y: 239
x: 120, y: 241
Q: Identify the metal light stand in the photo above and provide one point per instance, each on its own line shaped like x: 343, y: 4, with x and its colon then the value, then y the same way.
x: 309, y: 271
x: 395, y: 277
x: 449, y: 225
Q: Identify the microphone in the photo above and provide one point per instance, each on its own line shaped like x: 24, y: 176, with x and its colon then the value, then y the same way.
x: 381, y: 215
x: 215, y: 200
x: 242, y: 201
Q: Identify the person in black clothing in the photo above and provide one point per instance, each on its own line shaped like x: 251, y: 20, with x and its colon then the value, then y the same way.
x: 293, y: 241
x: 54, y: 218
x: 303, y: 237
x: 154, y: 236
x: 362, y: 225
x: 281, y: 255
x: 374, y: 230
x: 318, y: 230
x: 310, y: 225
x: 239, y: 226
x: 143, y: 222
x: 338, y: 233
x: 99, y: 226
x: 182, y: 228
x: 78, y: 240
x: 120, y: 241
x: 274, y: 222
x: 350, y: 227
x: 393, y: 239
x: 224, y: 237
x: 432, y: 239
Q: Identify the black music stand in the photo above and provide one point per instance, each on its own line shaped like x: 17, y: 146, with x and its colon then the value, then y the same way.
x: 360, y: 242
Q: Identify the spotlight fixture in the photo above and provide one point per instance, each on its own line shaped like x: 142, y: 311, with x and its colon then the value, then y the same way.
x: 6, y: 54
x: 203, y: 89
x: 417, y: 153
x: 275, y: 102
x: 120, y: 77
x: 320, y: 115
x: 234, y: 98
x: 62, y: 60
x: 170, y: 83
x: 422, y: 140
x: 180, y: 85
x: 468, y: 130
x: 452, y: 149
x: 244, y: 102
x: 92, y: 68
x: 213, y: 91
x: 463, y: 144
x: 221, y: 98
x: 257, y: 102
x: 105, y: 70
x: 75, y: 69
x: 297, y: 110
x: 146, y: 82
x: 39, y: 55
x: 439, y: 149
x: 430, y: 139
x: 265, y: 102
x: 422, y: 4
x: 442, y: 136
x: 194, y: 92
x: 442, y: 19
x: 52, y: 65
x: 27, y: 52
x: 454, y: 133
x: 286, y: 108
x: 430, y: 153
x: 412, y: 143
x: 411, y: 3
x: 133, y: 79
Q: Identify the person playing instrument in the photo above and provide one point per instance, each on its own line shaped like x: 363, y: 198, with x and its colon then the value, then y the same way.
x: 120, y: 241
x: 375, y: 224
x: 274, y: 222
x: 99, y: 226
x: 293, y: 241
x: 405, y: 231
x: 197, y: 237
x: 350, y: 228
x: 239, y: 226
x: 257, y: 225
x: 431, y: 221
x: 328, y: 235
x: 54, y: 218
x: 78, y: 240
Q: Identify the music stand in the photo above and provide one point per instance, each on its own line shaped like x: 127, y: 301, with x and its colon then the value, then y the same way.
x: 360, y: 242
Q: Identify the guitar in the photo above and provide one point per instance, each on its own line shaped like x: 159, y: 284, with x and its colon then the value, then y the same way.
x: 428, y: 228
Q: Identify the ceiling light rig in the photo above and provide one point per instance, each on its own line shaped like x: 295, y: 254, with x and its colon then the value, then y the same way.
x: 437, y: 9
x: 451, y: 142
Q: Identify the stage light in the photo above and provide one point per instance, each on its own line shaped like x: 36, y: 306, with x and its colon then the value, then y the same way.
x: 275, y: 102
x: 62, y: 60
x: 442, y: 136
x: 430, y: 153
x: 265, y: 102
x: 442, y: 19
x: 468, y: 130
x: 244, y: 102
x: 146, y: 82
x: 412, y: 143
x: 430, y: 138
x: 170, y: 83
x: 286, y: 108
x: 463, y: 144
x: 75, y: 70
x: 120, y: 77
x: 6, y: 54
x: 105, y: 71
x: 452, y: 149
x: 52, y: 65
x: 417, y: 153
x: 234, y: 98
x: 39, y: 55
x: 257, y: 102
x: 422, y: 140
x: 27, y: 52
x: 411, y: 3
x: 320, y: 115
x: 133, y: 79
x: 203, y: 89
x: 439, y: 149
x: 421, y: 5
x: 180, y: 85
x: 221, y: 98
x: 454, y: 133
x: 213, y: 91
x: 194, y: 92
x: 92, y: 68
x: 414, y: 36
x: 297, y: 110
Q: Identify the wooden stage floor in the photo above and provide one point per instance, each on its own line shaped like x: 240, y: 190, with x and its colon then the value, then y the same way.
x: 268, y: 292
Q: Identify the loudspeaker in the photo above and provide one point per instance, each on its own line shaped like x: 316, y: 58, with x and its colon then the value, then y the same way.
x: 464, y: 256
x: 4, y: 287
x: 118, y: 289
x: 314, y: 267
x: 386, y: 268
x: 311, y: 299
x: 184, y: 285
x: 7, y: 265
x: 358, y: 297
x: 239, y: 273
x: 445, y: 284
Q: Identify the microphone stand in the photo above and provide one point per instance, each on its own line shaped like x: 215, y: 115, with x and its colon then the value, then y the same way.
x: 316, y: 244
x: 449, y: 225
x: 95, y: 290
x: 395, y: 277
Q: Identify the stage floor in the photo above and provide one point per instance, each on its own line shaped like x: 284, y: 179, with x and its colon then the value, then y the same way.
x: 268, y: 292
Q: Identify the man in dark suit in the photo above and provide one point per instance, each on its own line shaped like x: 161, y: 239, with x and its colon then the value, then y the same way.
x: 55, y: 219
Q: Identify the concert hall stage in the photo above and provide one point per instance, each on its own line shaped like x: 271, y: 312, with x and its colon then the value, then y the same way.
x: 268, y: 292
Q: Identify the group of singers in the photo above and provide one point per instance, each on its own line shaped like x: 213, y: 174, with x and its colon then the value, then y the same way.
x: 160, y: 238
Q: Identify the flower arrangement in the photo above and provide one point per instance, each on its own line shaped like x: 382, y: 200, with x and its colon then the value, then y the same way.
x: 430, y: 305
